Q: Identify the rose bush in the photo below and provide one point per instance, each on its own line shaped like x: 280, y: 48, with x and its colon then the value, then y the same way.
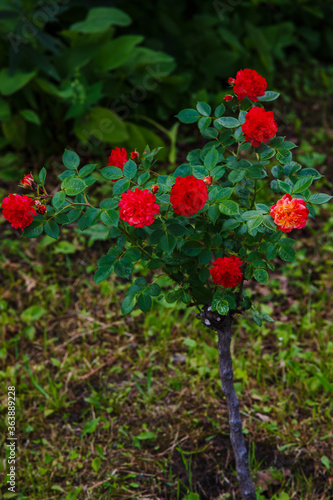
x: 215, y: 223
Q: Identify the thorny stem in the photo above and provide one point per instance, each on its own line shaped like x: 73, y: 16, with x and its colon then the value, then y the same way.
x: 222, y: 325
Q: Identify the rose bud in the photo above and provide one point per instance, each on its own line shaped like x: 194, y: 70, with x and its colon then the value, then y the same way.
x: 134, y: 155
x: 228, y: 97
x: 41, y: 209
x: 208, y: 180
x: 231, y: 81
x: 27, y: 180
x: 155, y: 189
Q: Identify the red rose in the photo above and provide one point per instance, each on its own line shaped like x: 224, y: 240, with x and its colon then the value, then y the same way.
x: 227, y: 272
x: 231, y: 81
x: 138, y: 207
x: 249, y: 83
x: 134, y: 155
x: 117, y: 158
x: 289, y: 213
x: 228, y: 97
x: 188, y: 195
x: 18, y: 210
x: 208, y: 180
x: 27, y: 180
x: 259, y: 126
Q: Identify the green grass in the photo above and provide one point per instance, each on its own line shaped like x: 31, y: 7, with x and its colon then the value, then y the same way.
x: 113, y: 407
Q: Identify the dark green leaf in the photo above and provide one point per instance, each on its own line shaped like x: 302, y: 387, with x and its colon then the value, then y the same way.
x: 144, y: 302
x: 51, y: 228
x: 261, y: 275
x: 86, y: 170
x: 204, y: 108
x: 58, y: 199
x: 70, y: 159
x: 229, y: 207
x: 110, y: 217
x: 269, y: 96
x: 130, y: 169
x: 121, y: 186
x: 188, y: 116
x: 112, y: 173
x: 320, y: 198
x: 229, y: 122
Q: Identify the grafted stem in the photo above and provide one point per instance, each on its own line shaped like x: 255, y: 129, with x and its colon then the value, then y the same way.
x: 222, y: 325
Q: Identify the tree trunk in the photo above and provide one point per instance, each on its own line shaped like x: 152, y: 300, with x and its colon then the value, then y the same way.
x: 222, y: 325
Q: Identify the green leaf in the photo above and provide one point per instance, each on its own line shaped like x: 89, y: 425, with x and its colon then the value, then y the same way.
x: 261, y: 275
x: 183, y: 170
x: 102, y: 124
x: 121, y: 186
x: 287, y: 253
x: 188, y: 115
x: 154, y: 290
x: 86, y: 170
x: 51, y: 228
x: 11, y: 83
x: 30, y: 116
x: 269, y: 96
x: 219, y: 111
x: 116, y: 52
x: 34, y: 229
x: 302, y: 184
x: 100, y: 19
x: 130, y: 169
x: 254, y: 222
x: 204, y: 108
x: 228, y: 122
x: 144, y: 302
x: 324, y: 460
x: 284, y: 187
x: 128, y: 304
x: 123, y: 268
x: 42, y: 176
x: 221, y: 306
x: 96, y: 464
x: 211, y: 159
x: 214, y: 213
x: 33, y: 313
x: 58, y: 199
x: 236, y: 175
x: 177, y: 229
x: 112, y: 173
x: 167, y: 243
x: 102, y: 273
x: 230, y: 224
x: 73, y: 186
x: 192, y: 248
x: 70, y: 159
x: 284, y: 156
x: 110, y: 217
x: 143, y: 178
x: 229, y: 207
x: 89, y: 218
x: 4, y: 110
x: 320, y: 198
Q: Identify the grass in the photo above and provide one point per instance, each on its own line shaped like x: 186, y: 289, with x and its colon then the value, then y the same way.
x: 132, y: 408
x: 112, y: 407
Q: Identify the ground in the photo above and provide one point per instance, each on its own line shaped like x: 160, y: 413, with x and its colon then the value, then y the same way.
x: 113, y: 407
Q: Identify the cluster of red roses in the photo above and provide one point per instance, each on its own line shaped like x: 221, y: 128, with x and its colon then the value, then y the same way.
x: 188, y: 194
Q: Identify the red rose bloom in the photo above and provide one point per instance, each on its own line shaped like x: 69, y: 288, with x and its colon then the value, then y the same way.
x: 259, y: 126
x: 249, y: 83
x: 188, y: 195
x: 134, y: 155
x: 117, y: 158
x: 41, y: 209
x: 27, y: 180
x: 18, y: 210
x: 138, y: 207
x: 227, y: 271
x: 289, y: 213
x: 228, y: 97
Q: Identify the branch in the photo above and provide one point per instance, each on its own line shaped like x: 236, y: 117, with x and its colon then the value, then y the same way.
x: 222, y: 325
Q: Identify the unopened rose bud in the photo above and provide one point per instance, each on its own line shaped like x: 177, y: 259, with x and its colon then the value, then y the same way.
x: 208, y: 180
x: 41, y: 209
x: 134, y: 155
x: 37, y: 203
x: 155, y: 189
x: 231, y: 81
x: 27, y: 180
x: 228, y: 97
